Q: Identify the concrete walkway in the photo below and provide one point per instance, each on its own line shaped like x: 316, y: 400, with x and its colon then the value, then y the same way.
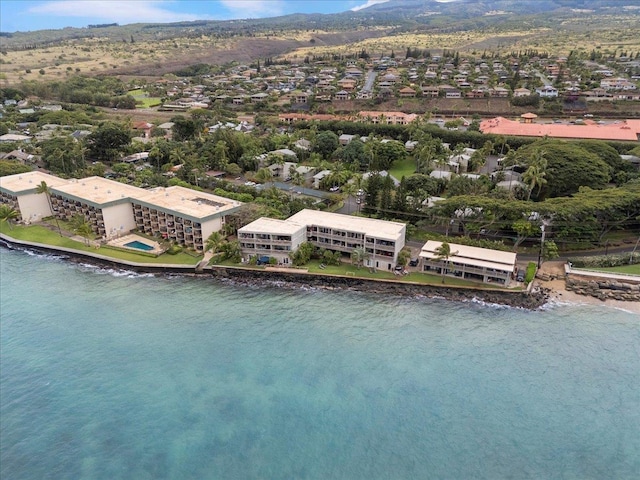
x: 605, y: 275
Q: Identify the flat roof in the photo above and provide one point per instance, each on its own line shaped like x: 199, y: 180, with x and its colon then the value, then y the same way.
x: 474, y: 256
x: 382, y: 229
x: 272, y: 226
x: 98, y: 191
x: 628, y: 130
x: 185, y: 201
x: 28, y: 182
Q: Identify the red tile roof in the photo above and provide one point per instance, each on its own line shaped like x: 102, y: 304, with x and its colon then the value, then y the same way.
x: 628, y: 130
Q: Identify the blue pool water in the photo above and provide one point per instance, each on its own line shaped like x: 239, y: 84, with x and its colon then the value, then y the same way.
x: 139, y: 245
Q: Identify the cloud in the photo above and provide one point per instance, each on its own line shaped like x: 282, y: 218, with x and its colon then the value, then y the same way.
x: 121, y: 11
x: 254, y: 8
x: 368, y: 4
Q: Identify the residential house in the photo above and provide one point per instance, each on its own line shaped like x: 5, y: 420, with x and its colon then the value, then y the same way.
x: 547, y: 91
x: 407, y: 92
x: 317, y: 178
x: 521, y: 92
x: 14, y: 137
x: 430, y: 91
x: 345, y: 139
x: 347, y: 84
x: 259, y: 97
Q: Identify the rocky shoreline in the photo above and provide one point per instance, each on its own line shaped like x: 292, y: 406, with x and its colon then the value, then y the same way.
x: 297, y: 279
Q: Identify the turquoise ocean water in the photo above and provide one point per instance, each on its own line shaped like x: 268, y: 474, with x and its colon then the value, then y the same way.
x: 112, y: 375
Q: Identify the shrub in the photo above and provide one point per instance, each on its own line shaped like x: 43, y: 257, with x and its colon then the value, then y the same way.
x: 605, y: 261
x: 531, y: 272
x: 174, y: 250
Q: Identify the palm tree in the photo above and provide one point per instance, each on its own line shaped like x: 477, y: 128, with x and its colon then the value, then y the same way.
x: 443, y: 252
x: 82, y: 227
x: 214, y: 242
x: 534, y: 175
x: 44, y: 188
x: 7, y: 214
x: 84, y: 230
x: 359, y: 255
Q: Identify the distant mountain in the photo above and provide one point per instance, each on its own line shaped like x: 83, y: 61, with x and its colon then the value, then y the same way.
x: 400, y: 15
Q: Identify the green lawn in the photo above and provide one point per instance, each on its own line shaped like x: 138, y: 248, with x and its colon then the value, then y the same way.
x: 143, y: 100
x: 631, y: 269
x: 148, y: 102
x: 40, y: 234
x: 364, y: 272
x: 346, y: 269
x: 404, y: 168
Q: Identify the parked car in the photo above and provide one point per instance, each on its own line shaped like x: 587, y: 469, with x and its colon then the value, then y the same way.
x: 520, y: 275
x: 413, y: 262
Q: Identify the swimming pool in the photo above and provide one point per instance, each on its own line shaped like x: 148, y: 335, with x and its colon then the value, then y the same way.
x: 139, y: 245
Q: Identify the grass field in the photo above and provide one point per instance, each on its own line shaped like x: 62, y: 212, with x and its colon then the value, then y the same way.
x: 143, y: 100
x: 404, y: 168
x: 351, y: 271
x: 624, y: 269
x: 40, y: 234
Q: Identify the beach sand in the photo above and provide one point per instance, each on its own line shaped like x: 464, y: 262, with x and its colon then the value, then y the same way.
x: 559, y: 292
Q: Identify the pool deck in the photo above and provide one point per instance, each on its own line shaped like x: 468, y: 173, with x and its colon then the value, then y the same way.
x: 131, y: 237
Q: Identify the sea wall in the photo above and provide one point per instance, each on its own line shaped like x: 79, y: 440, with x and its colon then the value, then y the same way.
x: 604, y: 289
x: 296, y: 279
x: 95, y: 258
x: 293, y: 278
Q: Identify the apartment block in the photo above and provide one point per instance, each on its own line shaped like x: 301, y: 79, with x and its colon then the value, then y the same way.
x: 382, y: 240
x: 112, y: 208
x: 471, y: 263
x: 20, y: 192
x: 181, y: 215
x: 272, y: 238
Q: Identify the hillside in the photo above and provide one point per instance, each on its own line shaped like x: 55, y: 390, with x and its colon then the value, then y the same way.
x: 464, y: 25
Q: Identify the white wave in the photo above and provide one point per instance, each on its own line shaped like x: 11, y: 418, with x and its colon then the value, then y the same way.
x: 114, y: 272
x: 39, y: 254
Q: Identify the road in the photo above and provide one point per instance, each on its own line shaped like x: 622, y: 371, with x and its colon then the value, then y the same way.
x: 370, y: 80
x: 290, y: 188
x: 350, y: 206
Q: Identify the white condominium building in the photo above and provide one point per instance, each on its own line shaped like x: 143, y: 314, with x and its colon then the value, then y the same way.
x: 381, y: 239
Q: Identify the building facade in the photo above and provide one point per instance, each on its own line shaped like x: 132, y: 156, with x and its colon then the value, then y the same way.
x: 112, y: 209
x: 471, y: 263
x: 181, y: 215
x: 382, y: 240
x: 272, y: 238
x: 20, y: 192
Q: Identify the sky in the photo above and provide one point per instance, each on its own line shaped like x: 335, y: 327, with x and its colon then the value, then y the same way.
x: 28, y: 15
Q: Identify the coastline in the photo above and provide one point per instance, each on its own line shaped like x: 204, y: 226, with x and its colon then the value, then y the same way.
x: 529, y: 300
x: 559, y: 294
x: 543, y: 292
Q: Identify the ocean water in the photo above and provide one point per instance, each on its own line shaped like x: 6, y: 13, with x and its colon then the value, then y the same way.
x: 113, y: 375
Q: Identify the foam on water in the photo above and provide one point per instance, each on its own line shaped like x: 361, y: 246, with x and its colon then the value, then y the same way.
x: 157, y: 377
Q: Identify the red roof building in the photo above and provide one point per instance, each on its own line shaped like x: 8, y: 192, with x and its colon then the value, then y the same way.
x: 625, y: 131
